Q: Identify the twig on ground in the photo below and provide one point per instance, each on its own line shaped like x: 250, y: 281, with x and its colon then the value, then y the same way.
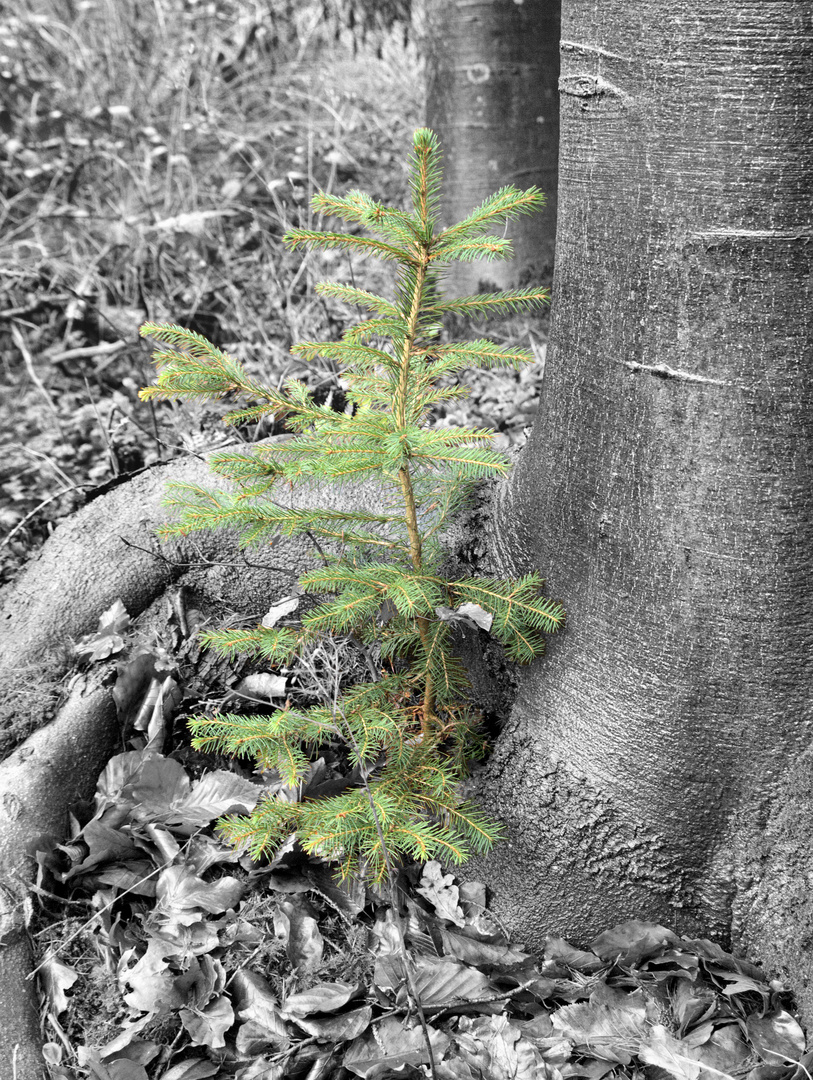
x: 20, y: 342
x: 105, y: 433
x: 52, y: 951
x: 179, y: 565
x: 442, y: 1008
x: 108, y: 349
x: 35, y: 305
x: 67, y: 480
x: 41, y: 506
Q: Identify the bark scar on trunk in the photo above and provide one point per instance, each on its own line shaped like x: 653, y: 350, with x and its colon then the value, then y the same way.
x: 586, y: 85
x: 584, y: 49
x: 661, y: 371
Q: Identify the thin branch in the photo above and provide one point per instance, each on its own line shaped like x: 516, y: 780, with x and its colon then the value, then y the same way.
x: 35, y: 305
x: 412, y: 988
x: 20, y: 342
x: 40, y: 506
x: 54, y: 950
x: 107, y: 349
x: 177, y: 564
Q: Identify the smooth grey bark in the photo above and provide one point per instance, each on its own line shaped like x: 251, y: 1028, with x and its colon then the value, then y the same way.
x: 39, y: 785
x: 667, y: 489
x: 492, y: 99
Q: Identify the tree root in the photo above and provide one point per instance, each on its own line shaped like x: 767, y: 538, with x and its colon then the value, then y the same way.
x: 106, y: 551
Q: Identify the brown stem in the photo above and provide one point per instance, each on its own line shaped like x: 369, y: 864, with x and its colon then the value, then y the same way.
x: 397, y: 921
x: 413, y: 530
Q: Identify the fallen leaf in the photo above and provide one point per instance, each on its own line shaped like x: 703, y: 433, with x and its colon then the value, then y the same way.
x: 478, y: 953
x: 100, y: 647
x: 252, y: 1040
x: 479, y: 616
x: 609, y: 1026
x: 107, y: 640
x: 141, y: 1050
x: 203, y: 980
x: 322, y: 998
x: 206, y: 851
x: 455, y: 1068
x: 134, y: 878
x: 447, y: 981
x: 300, y: 933
x: 510, y: 1055
x: 473, y: 895
x: 186, y: 941
x: 669, y: 1053
x: 178, y: 889
x: 440, y: 890
x: 673, y: 964
x: 115, y: 619
x: 105, y: 844
x: 470, y: 614
x: 56, y: 978
x: 134, y: 678
x: 124, y: 1069
x: 726, y: 1049
x: 341, y: 1027
x: 168, y: 847
x: 208, y: 1026
x: 262, y: 1069
x: 191, y: 1070
x: 53, y: 1052
x: 143, y: 779
x: 777, y: 1038
x: 256, y: 1004
x: 389, y: 973
x: 691, y: 1004
x: 631, y: 942
x: 279, y: 610
x: 391, y: 1047
x: 560, y: 952
x: 124, y: 1038
x: 212, y: 796
x: 152, y: 993
x: 152, y: 984
x: 262, y: 685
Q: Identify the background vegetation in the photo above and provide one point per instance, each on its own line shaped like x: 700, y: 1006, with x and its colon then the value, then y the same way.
x: 151, y: 157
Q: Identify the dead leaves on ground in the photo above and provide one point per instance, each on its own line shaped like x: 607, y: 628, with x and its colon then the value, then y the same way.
x: 174, y: 915
x: 190, y: 961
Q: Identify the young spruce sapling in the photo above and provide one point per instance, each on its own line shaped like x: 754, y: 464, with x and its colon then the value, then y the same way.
x: 406, y: 733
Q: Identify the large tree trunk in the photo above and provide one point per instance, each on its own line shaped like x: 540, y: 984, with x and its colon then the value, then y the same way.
x: 492, y: 99
x: 666, y: 489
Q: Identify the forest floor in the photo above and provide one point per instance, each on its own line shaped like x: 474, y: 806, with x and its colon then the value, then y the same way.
x: 151, y: 158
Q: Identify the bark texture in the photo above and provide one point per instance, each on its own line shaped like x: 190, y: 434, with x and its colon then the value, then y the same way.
x: 39, y: 784
x: 666, y: 489
x: 778, y: 923
x: 492, y: 99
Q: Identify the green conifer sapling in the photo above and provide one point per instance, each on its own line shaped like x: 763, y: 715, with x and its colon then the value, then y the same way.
x: 405, y: 733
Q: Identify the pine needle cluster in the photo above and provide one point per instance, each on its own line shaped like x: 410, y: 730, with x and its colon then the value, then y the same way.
x: 406, y: 732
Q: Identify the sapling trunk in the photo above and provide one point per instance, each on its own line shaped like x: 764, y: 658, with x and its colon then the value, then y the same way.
x: 407, y: 734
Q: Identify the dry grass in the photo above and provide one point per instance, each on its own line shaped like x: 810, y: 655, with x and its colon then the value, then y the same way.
x: 152, y: 154
x: 151, y: 157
